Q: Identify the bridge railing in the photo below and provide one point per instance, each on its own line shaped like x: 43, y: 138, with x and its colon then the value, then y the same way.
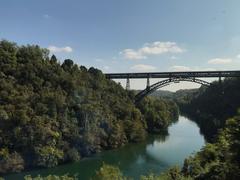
x: 199, y: 74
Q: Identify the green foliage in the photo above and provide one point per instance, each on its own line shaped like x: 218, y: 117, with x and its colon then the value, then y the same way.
x: 217, y: 161
x: 10, y: 161
x: 117, y: 136
x: 48, y: 156
x: 50, y: 177
x: 108, y: 172
x: 220, y: 160
x: 51, y: 113
x: 173, y: 173
x: 210, y: 107
x: 73, y: 155
x: 158, y: 113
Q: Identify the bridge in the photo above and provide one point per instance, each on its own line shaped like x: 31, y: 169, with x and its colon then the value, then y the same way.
x: 170, y: 77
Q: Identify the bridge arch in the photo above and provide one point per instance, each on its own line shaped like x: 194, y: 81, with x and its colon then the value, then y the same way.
x: 150, y: 89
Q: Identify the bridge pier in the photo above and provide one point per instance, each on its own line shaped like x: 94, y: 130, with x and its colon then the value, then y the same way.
x: 128, y: 84
x: 148, y: 83
x: 220, y: 80
x: 220, y: 85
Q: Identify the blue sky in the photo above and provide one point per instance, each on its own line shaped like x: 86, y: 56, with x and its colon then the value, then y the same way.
x: 130, y: 35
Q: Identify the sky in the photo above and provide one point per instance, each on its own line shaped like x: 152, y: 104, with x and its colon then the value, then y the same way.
x: 130, y: 35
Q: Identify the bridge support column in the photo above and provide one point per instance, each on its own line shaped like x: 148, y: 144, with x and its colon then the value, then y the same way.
x: 220, y: 80
x: 220, y: 85
x: 128, y: 84
x: 148, y: 83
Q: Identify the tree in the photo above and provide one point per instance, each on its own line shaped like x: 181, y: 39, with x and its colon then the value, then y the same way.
x: 108, y: 172
x: 67, y: 64
x: 53, y: 59
x: 48, y: 156
x: 10, y: 162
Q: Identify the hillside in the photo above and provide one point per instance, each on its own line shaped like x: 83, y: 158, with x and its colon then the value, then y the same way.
x: 211, y: 107
x: 217, y: 161
x: 182, y: 95
x: 52, y: 112
x: 216, y: 109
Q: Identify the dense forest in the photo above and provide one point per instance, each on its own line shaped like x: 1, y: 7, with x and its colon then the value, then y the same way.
x: 217, y: 110
x: 52, y: 112
x: 155, y: 109
x: 216, y: 161
x: 211, y: 107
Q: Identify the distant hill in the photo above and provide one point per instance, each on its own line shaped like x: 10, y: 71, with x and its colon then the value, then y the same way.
x: 177, y: 96
x: 163, y: 93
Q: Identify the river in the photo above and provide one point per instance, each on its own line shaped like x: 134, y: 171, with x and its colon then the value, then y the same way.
x: 156, y: 154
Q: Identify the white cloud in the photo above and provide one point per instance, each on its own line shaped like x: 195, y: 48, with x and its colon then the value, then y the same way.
x: 161, y: 47
x: 55, y: 49
x: 180, y: 68
x: 132, y: 54
x: 143, y: 68
x: 238, y: 56
x: 220, y: 61
x: 155, y: 48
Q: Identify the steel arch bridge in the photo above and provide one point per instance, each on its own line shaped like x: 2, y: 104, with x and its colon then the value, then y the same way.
x: 166, y: 82
x: 170, y: 77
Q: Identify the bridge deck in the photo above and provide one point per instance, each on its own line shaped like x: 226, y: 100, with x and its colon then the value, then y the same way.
x: 189, y: 74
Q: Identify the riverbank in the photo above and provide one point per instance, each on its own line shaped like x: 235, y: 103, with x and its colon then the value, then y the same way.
x: 156, y: 154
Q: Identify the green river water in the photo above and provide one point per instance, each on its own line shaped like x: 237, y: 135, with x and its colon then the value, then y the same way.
x: 156, y: 154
